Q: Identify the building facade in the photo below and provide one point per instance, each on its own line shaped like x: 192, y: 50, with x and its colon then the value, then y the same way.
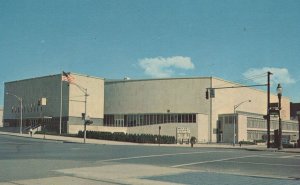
x: 144, y: 106
x: 57, y: 93
x: 170, y: 106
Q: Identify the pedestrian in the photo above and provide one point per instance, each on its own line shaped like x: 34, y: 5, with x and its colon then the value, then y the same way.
x: 30, y: 131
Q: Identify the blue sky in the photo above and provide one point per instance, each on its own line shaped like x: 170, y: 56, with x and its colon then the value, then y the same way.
x: 230, y: 39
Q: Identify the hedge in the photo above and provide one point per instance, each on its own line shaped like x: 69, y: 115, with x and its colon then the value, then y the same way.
x: 135, y: 138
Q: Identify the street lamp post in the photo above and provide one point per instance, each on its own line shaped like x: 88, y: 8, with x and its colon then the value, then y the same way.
x: 159, y: 128
x: 298, y: 141
x: 279, y: 94
x: 84, y: 119
x: 21, y: 113
x: 234, y: 119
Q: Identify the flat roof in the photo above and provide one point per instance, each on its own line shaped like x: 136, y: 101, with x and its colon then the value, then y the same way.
x: 47, y: 76
x: 108, y: 81
x: 152, y: 79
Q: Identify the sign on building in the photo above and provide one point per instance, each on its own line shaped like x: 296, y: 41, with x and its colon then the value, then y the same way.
x: 183, y: 134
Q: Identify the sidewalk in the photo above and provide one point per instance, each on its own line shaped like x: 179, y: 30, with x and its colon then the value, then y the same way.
x: 65, y: 139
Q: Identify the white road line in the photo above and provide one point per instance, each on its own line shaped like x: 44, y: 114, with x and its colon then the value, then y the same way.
x: 160, y: 155
x: 76, y: 148
x: 15, y: 143
x: 290, y: 156
x: 212, y: 161
x: 269, y: 164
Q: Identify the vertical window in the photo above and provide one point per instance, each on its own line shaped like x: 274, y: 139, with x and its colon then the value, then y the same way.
x: 179, y: 118
x: 141, y: 120
x: 190, y: 118
x: 125, y: 121
x: 194, y: 118
x: 137, y: 117
x: 160, y: 118
x: 165, y: 118
x: 184, y: 118
x: 146, y: 119
x: 172, y: 118
x: 151, y: 119
x: 176, y: 118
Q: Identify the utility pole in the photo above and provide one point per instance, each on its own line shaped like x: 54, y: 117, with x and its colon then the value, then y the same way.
x: 84, y: 119
x: 268, y: 110
x: 298, y: 141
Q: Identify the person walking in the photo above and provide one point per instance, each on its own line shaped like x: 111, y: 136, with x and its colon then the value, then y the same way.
x: 30, y: 131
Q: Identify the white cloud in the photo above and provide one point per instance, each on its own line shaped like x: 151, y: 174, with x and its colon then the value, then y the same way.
x: 160, y: 67
x: 279, y: 75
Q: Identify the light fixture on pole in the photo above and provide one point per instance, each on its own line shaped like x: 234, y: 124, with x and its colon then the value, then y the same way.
x: 234, y: 119
x: 21, y: 111
x: 279, y: 94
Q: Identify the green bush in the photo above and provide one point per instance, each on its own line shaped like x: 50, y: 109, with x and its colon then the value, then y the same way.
x: 135, y: 138
x: 246, y: 143
x: 259, y: 141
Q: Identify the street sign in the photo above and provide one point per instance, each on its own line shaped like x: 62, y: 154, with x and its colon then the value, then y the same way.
x: 274, y: 112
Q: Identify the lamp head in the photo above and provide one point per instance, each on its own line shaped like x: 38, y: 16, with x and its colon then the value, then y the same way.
x: 279, y: 90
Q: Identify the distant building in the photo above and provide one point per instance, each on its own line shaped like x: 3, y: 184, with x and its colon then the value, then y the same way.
x: 295, y: 107
x: 49, y: 87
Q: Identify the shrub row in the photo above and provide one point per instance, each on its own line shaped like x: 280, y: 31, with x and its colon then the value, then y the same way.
x: 135, y: 138
x: 246, y: 143
x: 56, y: 134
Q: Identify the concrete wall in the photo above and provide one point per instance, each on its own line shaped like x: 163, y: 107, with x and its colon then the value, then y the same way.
x: 168, y: 129
x: 49, y: 87
x: 95, y: 99
x: 241, y: 128
x: 156, y: 96
x: 202, y: 121
x: 30, y: 90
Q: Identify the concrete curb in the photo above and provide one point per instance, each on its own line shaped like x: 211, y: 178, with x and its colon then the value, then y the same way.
x: 66, y: 139
x: 26, y: 136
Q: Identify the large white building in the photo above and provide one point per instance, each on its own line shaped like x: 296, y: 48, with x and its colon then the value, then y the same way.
x: 171, y: 106
x: 144, y: 106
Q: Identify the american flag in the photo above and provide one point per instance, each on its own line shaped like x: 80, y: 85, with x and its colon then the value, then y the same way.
x: 67, y: 77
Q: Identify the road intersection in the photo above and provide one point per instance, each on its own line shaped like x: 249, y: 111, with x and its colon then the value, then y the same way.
x: 36, y: 161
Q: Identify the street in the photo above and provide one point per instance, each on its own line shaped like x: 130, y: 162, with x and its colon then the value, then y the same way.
x: 36, y: 161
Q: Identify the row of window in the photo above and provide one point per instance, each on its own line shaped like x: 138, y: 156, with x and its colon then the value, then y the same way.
x: 27, y: 109
x: 262, y: 135
x: 255, y: 135
x: 260, y: 123
x: 227, y: 119
x: 132, y: 120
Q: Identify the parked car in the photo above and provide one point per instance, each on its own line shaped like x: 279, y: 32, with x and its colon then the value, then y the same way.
x: 286, y: 143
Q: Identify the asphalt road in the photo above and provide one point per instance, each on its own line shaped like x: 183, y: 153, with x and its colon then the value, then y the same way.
x: 25, y: 159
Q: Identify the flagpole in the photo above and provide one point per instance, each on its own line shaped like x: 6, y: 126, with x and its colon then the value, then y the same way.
x: 61, y: 93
